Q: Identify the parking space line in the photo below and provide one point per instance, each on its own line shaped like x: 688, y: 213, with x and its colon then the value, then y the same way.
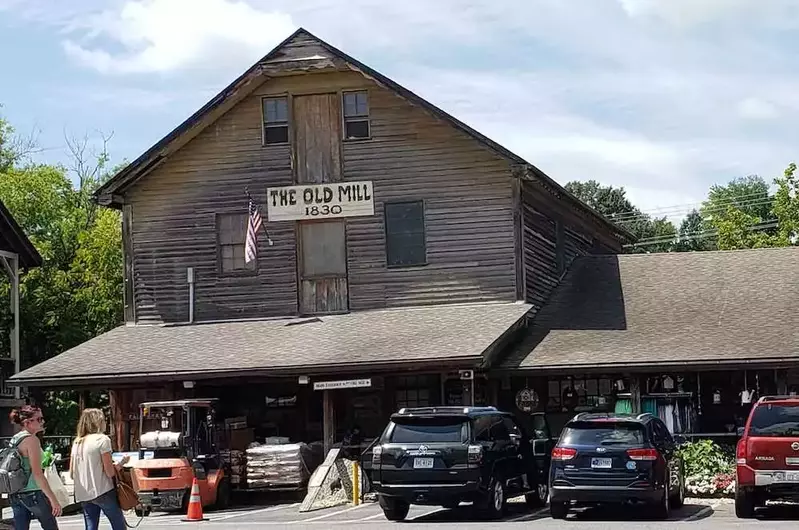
x: 325, y: 516
x: 253, y: 512
x: 527, y: 515
x: 375, y: 516
x: 425, y: 514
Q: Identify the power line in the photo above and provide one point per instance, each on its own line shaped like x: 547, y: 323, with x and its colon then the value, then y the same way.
x: 747, y: 196
x: 703, y: 234
x: 717, y: 206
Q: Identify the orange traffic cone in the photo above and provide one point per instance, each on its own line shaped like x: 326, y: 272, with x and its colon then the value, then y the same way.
x: 195, y: 512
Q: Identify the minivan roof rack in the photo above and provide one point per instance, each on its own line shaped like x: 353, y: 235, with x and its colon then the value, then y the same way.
x: 444, y: 409
x: 775, y: 398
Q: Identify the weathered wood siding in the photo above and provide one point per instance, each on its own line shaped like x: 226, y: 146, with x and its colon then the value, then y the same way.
x: 174, y: 225
x: 552, y: 237
x: 468, y: 213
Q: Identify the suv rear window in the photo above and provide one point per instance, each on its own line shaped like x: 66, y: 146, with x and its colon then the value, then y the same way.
x: 775, y: 420
x: 430, y: 430
x: 603, y: 433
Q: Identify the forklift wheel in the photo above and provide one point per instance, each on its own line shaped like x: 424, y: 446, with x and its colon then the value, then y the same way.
x: 223, y: 495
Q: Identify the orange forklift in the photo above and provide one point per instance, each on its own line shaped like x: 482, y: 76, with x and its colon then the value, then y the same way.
x: 178, y: 443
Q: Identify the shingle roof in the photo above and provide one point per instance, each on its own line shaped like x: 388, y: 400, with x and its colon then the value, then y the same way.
x: 361, y: 340
x: 679, y: 308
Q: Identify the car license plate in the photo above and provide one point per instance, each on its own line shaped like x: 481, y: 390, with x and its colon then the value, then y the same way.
x: 787, y: 477
x: 601, y: 463
x: 423, y: 463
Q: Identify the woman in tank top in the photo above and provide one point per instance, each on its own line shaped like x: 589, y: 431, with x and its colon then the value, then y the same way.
x: 36, y: 500
x: 93, y: 472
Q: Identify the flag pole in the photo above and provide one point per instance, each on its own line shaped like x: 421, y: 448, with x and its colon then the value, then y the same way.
x: 263, y: 224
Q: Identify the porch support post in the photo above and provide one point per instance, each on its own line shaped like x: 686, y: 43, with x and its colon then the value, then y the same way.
x: 635, y: 394
x: 10, y: 263
x: 328, y: 420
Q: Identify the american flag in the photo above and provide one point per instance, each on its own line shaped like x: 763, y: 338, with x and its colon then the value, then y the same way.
x: 253, y: 225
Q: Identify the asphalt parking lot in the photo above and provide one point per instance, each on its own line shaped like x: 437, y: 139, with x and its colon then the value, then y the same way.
x: 699, y: 514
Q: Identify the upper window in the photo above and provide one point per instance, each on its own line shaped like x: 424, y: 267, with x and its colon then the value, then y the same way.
x: 231, y: 231
x: 276, y: 120
x: 405, y: 235
x: 356, y: 115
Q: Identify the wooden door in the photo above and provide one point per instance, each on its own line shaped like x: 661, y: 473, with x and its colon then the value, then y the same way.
x: 322, y: 247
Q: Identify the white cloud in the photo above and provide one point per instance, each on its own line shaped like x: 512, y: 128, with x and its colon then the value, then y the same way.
x: 168, y: 35
x: 664, y: 97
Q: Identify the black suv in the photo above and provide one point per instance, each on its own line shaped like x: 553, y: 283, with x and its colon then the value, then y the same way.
x: 611, y: 458
x: 444, y: 455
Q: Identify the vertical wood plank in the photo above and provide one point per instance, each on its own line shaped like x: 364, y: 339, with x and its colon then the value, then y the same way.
x: 328, y: 420
x: 127, y: 251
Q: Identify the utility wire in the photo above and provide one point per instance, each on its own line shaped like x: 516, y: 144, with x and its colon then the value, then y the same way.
x: 704, y: 234
x: 720, y: 206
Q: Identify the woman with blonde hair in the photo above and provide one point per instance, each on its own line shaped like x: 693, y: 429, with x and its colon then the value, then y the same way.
x: 93, y: 472
x: 36, y: 499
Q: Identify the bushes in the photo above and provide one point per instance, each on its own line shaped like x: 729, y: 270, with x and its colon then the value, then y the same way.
x: 709, y: 470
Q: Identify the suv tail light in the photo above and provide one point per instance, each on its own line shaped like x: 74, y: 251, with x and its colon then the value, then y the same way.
x: 642, y: 454
x: 377, y: 454
x: 563, y: 453
x: 740, y: 452
x: 475, y: 454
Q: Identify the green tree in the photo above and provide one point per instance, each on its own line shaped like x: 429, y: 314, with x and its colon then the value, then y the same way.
x: 693, y: 234
x: 77, y: 293
x: 613, y: 203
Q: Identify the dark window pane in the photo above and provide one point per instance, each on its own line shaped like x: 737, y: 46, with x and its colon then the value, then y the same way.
x: 429, y: 430
x: 277, y: 135
x: 405, y: 235
x: 357, y: 129
x: 603, y: 433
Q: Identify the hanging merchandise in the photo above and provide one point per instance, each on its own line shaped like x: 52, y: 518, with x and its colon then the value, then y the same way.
x: 620, y: 385
x: 746, y: 396
x: 717, y: 398
x: 570, y: 398
x: 668, y: 383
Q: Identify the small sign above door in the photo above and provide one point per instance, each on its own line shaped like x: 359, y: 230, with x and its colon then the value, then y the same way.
x: 320, y: 201
x: 336, y: 385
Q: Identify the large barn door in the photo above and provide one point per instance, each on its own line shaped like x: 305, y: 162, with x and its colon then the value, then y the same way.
x: 322, y: 248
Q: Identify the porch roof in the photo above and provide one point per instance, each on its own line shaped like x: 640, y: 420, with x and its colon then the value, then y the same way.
x: 689, y: 309
x: 465, y: 335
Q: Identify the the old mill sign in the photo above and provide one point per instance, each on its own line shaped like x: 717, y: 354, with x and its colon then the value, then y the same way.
x: 320, y: 201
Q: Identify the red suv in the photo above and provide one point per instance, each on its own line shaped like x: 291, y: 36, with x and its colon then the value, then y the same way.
x: 767, y: 456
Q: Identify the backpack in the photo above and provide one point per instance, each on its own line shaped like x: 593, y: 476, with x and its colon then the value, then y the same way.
x: 13, y: 477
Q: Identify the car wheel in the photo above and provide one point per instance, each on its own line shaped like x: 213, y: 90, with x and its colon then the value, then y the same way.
x: 559, y: 510
x: 744, y: 503
x: 661, y: 511
x: 538, y: 497
x: 394, y: 509
x: 678, y: 500
x: 496, y: 499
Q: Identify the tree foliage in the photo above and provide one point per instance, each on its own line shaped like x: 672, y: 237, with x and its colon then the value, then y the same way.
x: 77, y: 293
x: 613, y: 203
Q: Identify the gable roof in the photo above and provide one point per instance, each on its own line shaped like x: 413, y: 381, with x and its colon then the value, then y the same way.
x: 292, y: 53
x: 691, y: 308
x: 13, y: 239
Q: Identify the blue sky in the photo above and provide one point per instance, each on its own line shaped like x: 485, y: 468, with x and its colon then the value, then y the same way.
x: 664, y: 97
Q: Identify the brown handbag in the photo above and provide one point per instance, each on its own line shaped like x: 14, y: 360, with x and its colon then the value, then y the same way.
x: 128, y: 498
